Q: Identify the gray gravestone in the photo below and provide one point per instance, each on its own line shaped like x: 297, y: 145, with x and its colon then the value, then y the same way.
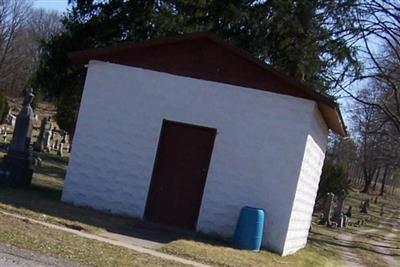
x: 23, y: 127
x: 60, y: 150
x: 364, y: 206
x: 349, y: 212
x: 47, y: 136
x: 46, y: 140
x: 337, y: 212
x: 345, y: 221
x: 17, y: 164
x: 327, y: 209
x: 4, y: 134
x: 55, y: 144
x: 40, y: 142
x: 64, y: 137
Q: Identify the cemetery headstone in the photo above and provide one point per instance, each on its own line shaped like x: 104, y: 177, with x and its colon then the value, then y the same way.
x: 10, y: 119
x: 4, y: 134
x: 333, y: 225
x: 46, y: 140
x: 40, y: 142
x: 325, y: 220
x: 364, y: 206
x: 48, y: 135
x: 337, y: 212
x: 345, y: 220
x: 64, y: 137
x: 348, y: 213
x: 17, y: 164
x: 55, y: 144
x: 60, y: 150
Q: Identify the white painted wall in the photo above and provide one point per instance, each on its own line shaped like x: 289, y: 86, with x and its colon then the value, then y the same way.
x: 257, y: 157
x: 307, y: 186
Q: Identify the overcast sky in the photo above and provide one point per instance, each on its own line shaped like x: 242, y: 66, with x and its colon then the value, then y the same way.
x: 57, y: 5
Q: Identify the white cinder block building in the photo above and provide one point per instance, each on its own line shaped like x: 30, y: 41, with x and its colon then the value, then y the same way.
x: 186, y: 131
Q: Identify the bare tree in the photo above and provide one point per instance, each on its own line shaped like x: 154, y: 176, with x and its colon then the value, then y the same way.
x: 366, y: 121
x: 13, y: 18
x: 343, y: 152
x: 378, y: 40
x: 22, y: 29
x: 42, y: 25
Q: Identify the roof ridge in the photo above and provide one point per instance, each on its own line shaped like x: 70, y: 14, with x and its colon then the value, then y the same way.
x: 296, y: 87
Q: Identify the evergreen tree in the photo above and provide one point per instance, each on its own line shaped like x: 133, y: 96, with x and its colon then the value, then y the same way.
x: 4, y: 107
x: 302, y: 38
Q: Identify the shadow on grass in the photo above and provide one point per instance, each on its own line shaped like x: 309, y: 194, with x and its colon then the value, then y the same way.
x: 51, y: 170
x: 44, y: 197
x: 321, y: 240
x: 351, y: 245
x: 53, y: 158
x: 45, y: 200
x: 381, y: 238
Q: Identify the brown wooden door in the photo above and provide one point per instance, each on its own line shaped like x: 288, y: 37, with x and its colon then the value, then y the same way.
x: 179, y: 174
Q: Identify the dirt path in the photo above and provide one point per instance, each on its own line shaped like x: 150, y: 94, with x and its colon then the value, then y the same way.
x: 11, y: 256
x: 349, y: 255
x: 351, y: 259
x: 382, y: 247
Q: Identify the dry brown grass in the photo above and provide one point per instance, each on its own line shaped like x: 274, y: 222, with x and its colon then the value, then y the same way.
x: 42, y: 202
x: 71, y: 247
x: 220, y: 255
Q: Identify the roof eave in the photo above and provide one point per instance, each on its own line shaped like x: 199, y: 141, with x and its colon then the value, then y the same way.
x: 327, y: 106
x: 333, y: 118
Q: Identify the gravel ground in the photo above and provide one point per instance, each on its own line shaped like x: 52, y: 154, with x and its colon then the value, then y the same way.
x: 11, y: 256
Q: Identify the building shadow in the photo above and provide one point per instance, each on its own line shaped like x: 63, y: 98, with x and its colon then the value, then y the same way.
x: 322, y: 240
x: 46, y: 200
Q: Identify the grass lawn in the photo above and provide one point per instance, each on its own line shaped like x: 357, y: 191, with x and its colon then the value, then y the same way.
x: 220, y: 255
x: 324, y: 247
x: 42, y: 202
x: 378, y: 230
x: 71, y: 247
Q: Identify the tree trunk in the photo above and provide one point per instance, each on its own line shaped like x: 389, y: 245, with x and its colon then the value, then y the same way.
x: 360, y: 176
x: 394, y: 186
x: 376, y: 178
x: 368, y: 180
x: 384, y: 180
x: 366, y: 186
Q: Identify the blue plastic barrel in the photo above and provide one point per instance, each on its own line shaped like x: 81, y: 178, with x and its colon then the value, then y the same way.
x: 249, y: 229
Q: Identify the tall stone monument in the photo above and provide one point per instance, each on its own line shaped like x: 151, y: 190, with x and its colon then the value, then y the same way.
x: 326, y: 216
x: 17, y: 164
x: 337, y: 212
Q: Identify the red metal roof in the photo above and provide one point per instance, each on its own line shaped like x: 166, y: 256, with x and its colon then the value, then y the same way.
x: 205, y: 56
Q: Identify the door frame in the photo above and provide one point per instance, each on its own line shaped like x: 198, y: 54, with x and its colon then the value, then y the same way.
x: 157, y: 158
